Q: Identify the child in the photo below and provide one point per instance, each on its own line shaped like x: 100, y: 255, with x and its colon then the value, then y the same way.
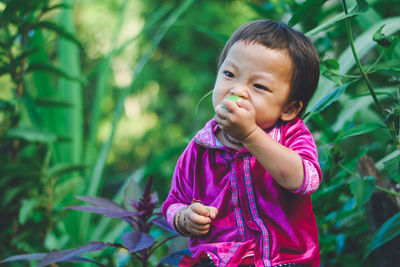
x: 241, y: 189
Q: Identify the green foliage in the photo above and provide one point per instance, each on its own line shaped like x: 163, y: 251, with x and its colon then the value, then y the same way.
x: 93, y: 108
x: 362, y: 189
x: 389, y: 230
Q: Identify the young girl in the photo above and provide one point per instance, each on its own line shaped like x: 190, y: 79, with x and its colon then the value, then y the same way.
x: 241, y: 189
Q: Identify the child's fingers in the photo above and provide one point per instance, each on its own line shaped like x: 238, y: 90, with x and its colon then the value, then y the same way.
x: 198, y: 232
x: 213, y: 212
x: 221, y: 113
x: 200, y: 209
x: 245, y: 104
x: 207, y: 211
x: 197, y: 229
x: 229, y: 105
x: 197, y: 218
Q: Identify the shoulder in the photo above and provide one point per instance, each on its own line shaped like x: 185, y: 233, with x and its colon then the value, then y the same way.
x: 296, y: 132
x: 201, y: 143
x: 296, y: 124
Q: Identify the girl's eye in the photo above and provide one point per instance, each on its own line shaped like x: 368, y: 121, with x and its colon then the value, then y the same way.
x: 259, y: 86
x: 229, y: 74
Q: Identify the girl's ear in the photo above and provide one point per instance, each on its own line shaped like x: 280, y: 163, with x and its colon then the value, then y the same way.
x: 291, y: 110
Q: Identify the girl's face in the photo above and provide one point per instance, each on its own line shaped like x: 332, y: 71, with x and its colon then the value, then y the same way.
x: 259, y: 75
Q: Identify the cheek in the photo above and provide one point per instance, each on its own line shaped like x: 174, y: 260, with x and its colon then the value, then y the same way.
x: 218, y: 94
x: 214, y: 102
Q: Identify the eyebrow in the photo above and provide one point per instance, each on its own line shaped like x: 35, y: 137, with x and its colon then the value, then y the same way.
x: 230, y: 63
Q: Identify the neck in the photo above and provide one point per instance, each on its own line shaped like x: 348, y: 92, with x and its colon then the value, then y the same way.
x: 231, y: 140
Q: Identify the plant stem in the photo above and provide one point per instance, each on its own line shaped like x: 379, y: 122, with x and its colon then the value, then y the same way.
x: 161, y: 243
x: 398, y: 136
x: 380, y: 188
x: 387, y: 191
x: 364, y: 74
x: 353, y: 50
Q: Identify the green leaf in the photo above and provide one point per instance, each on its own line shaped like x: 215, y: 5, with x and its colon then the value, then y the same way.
x: 380, y: 166
x: 380, y: 38
x: 330, y: 69
x: 363, y: 45
x: 20, y: 170
x: 360, y: 129
x: 362, y: 189
x: 332, y: 64
x: 214, y: 34
x: 392, y: 166
x: 263, y: 9
x: 47, y: 67
x: 330, y: 23
x: 389, y: 230
x: 57, y: 6
x: 64, y: 168
x: 305, y: 10
x: 59, y: 30
x: 6, y: 106
x: 11, y: 194
x: 26, y: 210
x: 66, y: 188
x: 131, y: 191
x: 329, y: 99
x: 5, y: 69
x: 25, y: 53
x: 362, y: 5
x: 52, y: 102
x: 31, y: 134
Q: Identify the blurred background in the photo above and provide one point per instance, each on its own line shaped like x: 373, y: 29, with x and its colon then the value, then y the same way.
x: 96, y: 96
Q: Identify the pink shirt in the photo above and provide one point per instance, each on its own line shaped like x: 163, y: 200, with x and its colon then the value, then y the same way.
x: 257, y: 217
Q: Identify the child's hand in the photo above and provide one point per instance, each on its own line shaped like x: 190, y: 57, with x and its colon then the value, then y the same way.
x: 198, y: 218
x: 237, y: 119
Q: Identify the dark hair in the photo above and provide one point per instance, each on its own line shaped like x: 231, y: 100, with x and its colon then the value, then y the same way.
x: 278, y: 35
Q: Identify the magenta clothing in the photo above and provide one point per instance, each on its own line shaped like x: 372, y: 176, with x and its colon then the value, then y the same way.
x: 257, y: 217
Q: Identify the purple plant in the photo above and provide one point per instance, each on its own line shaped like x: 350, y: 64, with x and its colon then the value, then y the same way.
x: 139, y: 243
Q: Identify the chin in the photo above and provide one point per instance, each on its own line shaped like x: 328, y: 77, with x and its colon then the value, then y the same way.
x: 265, y: 126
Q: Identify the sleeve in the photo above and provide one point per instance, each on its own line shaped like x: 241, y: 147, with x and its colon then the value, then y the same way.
x: 172, y: 210
x: 180, y: 195
x: 298, y: 138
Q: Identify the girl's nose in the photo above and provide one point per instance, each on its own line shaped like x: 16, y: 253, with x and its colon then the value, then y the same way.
x: 240, y: 90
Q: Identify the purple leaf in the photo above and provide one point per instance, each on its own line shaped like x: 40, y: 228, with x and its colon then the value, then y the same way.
x: 101, y: 202
x: 40, y: 256
x: 71, y: 254
x: 135, y: 204
x: 105, y: 211
x: 147, y: 190
x: 81, y: 259
x: 154, y: 198
x: 176, y: 257
x: 163, y: 224
x: 136, y: 241
x: 28, y: 257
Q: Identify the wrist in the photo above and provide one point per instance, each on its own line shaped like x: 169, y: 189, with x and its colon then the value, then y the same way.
x: 180, y: 223
x: 251, y: 135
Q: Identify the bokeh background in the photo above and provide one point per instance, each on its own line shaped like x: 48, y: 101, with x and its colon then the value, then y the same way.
x: 96, y: 96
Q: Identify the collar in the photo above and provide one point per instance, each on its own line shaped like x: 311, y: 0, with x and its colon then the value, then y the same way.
x: 206, y: 136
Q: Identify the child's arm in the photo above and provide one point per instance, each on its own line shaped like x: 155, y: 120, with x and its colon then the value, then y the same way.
x: 284, y: 164
x: 180, y: 205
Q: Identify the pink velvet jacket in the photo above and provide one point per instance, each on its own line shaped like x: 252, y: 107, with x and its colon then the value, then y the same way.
x: 257, y: 218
